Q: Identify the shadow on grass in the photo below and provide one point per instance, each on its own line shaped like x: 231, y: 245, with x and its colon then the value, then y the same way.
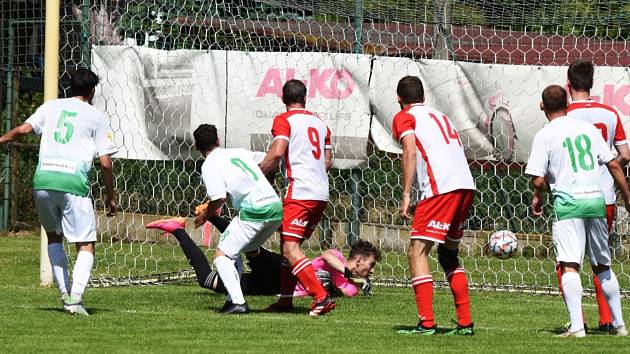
x: 91, y: 311
x: 560, y: 330
x: 438, y: 330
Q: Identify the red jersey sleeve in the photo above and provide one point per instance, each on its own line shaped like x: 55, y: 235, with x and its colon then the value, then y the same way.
x: 281, y: 129
x: 327, y: 144
x: 403, y: 125
x: 620, y: 134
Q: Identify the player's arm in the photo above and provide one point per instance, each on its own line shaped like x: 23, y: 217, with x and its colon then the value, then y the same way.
x: 343, y: 279
x: 620, y: 180
x: 16, y: 133
x: 210, y: 211
x: 107, y: 167
x: 328, y: 159
x: 540, y: 187
x: 623, y: 154
x: 409, y: 170
x: 272, y: 159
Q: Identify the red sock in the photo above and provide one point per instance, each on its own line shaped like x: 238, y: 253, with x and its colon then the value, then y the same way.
x: 602, y: 305
x: 459, y: 288
x: 423, y: 288
x: 287, y: 284
x: 305, y: 273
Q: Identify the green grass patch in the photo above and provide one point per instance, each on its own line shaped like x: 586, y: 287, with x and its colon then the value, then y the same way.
x: 183, y: 318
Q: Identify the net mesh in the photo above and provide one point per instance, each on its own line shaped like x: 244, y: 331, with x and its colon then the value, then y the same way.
x: 364, y: 198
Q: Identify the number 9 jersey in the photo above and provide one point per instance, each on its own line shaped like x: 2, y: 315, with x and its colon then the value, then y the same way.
x: 441, y: 164
x: 304, y: 159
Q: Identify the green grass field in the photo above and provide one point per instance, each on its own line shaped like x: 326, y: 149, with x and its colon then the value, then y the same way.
x: 183, y: 319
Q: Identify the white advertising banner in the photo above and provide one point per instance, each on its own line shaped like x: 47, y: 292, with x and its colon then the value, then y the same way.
x: 155, y: 99
x: 337, y: 91
x: 494, y: 107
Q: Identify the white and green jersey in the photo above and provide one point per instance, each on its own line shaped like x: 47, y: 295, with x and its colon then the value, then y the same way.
x: 73, y: 134
x: 235, y: 172
x: 569, y: 152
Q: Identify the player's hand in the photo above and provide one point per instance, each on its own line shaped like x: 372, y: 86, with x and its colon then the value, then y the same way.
x: 536, y: 206
x: 367, y: 287
x: 111, y: 206
x: 201, y: 209
x: 200, y: 220
x: 403, y: 210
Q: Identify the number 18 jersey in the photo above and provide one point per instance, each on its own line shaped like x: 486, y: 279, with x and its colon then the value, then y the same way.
x: 304, y: 158
x: 73, y: 133
x: 568, y: 152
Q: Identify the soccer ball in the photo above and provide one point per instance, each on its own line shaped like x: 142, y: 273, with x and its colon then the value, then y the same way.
x: 503, y: 244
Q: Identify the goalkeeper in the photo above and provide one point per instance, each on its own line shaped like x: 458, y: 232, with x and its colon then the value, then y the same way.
x: 335, y: 273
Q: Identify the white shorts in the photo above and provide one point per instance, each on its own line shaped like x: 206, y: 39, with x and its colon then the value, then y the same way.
x: 572, y: 237
x: 67, y: 214
x: 245, y: 236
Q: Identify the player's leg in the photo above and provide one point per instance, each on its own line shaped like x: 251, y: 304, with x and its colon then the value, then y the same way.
x: 569, y: 239
x: 197, y: 259
x: 448, y: 257
x: 79, y: 227
x: 605, y: 315
x: 49, y: 205
x: 299, y: 221
x: 599, y: 255
x: 422, y: 282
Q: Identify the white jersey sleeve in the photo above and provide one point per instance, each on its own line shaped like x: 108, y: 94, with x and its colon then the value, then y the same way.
x: 37, y: 119
x: 216, y: 186
x: 539, y: 156
x: 104, y: 139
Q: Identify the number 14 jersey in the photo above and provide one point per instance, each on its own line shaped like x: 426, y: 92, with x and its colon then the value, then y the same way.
x: 568, y: 152
x: 304, y: 159
x: 440, y: 160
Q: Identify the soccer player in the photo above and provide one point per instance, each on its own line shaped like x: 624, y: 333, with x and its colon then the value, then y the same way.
x: 333, y: 270
x: 567, y: 153
x: 302, y: 140
x: 72, y: 133
x: 233, y: 172
x: 433, y: 152
x: 606, y: 119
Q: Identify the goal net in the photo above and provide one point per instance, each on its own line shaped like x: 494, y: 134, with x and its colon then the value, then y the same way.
x: 167, y: 66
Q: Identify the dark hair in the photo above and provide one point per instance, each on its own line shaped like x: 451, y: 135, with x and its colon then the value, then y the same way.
x: 82, y: 82
x: 554, y: 99
x: 365, y: 249
x: 410, y: 90
x: 580, y: 75
x: 206, y: 137
x: 294, y: 91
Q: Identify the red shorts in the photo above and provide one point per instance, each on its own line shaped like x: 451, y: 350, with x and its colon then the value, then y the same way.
x: 611, y: 210
x: 442, y: 217
x: 300, y: 218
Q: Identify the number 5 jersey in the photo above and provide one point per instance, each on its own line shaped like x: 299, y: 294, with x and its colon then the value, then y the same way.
x: 73, y: 133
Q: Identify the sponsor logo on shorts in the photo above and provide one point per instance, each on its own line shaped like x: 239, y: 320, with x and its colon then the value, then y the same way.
x: 439, y: 225
x: 300, y: 223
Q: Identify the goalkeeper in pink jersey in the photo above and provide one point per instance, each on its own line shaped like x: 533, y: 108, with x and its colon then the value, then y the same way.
x: 336, y: 274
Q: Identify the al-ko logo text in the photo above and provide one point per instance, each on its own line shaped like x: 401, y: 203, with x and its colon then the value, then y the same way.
x: 324, y: 83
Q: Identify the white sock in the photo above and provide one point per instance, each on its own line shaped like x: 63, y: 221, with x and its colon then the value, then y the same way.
x: 229, y: 276
x: 81, y: 273
x: 610, y: 286
x: 572, y: 288
x: 238, y: 263
x: 59, y: 262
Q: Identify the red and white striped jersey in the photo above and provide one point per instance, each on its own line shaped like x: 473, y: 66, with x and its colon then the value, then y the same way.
x: 441, y: 165
x: 304, y: 159
x: 607, y: 120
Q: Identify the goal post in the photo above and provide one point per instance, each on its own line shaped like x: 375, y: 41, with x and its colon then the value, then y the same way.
x: 51, y: 83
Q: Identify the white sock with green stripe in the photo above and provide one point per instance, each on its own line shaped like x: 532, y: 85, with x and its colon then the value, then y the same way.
x: 81, y: 273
